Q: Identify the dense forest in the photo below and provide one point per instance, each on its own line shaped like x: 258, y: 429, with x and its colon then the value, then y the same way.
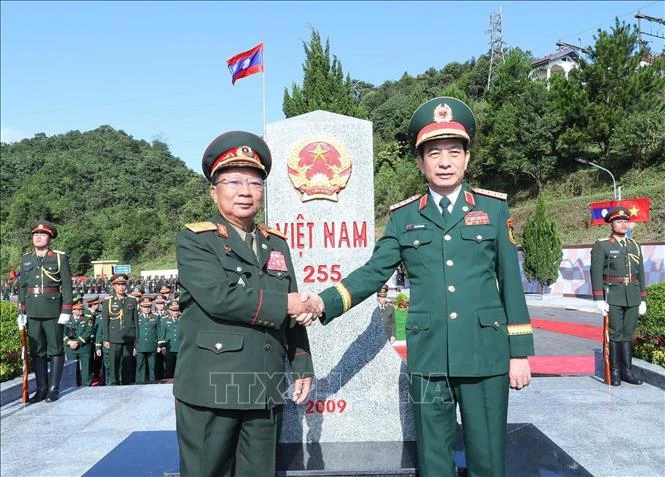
x: 116, y: 197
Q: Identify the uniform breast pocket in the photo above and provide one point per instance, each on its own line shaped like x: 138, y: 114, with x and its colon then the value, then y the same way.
x: 218, y: 342
x: 479, y: 233
x: 235, y: 269
x: 414, y: 247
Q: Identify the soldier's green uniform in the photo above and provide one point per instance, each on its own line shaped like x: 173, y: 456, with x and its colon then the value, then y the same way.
x: 617, y: 277
x: 80, y: 329
x: 96, y: 363
x: 467, y: 315
x: 387, y: 314
x: 119, y: 328
x: 160, y: 302
x: 234, y: 334
x: 169, y: 339
x: 146, y: 341
x: 45, y: 296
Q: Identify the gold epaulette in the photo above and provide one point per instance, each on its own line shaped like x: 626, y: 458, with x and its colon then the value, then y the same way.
x: 269, y: 230
x: 198, y: 227
x: 404, y: 202
x: 490, y: 193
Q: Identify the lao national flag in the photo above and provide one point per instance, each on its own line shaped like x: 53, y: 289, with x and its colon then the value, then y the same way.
x: 246, y: 63
x: 638, y: 209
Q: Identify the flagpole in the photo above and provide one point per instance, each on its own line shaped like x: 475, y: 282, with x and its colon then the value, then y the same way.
x: 265, y: 191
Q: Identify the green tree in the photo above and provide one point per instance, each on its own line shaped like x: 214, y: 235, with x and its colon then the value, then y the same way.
x: 324, y: 85
x: 519, y: 135
x: 610, y: 87
x: 541, y: 246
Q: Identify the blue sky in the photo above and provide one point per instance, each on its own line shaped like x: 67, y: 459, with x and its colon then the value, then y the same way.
x: 157, y: 70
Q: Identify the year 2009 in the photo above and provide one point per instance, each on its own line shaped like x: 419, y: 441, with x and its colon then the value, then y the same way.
x: 329, y: 406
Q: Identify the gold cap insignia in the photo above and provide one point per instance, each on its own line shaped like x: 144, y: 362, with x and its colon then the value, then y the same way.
x: 443, y: 114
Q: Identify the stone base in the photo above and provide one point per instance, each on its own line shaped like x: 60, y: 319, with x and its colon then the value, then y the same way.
x: 155, y: 453
x: 11, y: 390
x: 647, y: 372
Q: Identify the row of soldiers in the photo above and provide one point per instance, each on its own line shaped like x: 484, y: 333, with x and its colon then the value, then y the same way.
x: 83, y: 286
x: 120, y: 344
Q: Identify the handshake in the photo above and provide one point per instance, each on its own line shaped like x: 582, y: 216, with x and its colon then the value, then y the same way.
x: 304, y: 307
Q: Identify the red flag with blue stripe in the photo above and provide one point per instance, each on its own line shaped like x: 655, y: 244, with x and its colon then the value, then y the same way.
x: 246, y: 63
x: 638, y: 209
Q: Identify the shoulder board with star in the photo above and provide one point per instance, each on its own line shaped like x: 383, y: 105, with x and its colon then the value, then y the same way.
x: 269, y: 230
x: 404, y: 202
x: 198, y: 227
x: 490, y: 193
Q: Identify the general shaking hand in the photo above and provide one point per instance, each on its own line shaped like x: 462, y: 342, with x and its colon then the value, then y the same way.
x: 305, y: 307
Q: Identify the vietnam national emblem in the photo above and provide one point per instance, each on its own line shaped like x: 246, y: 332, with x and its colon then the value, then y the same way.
x: 319, y: 170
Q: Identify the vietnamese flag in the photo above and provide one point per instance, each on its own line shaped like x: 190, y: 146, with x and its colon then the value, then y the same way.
x: 638, y: 209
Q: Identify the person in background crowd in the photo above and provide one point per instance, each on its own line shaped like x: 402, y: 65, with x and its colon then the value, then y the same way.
x: 387, y: 313
x: 78, y: 333
x: 119, y: 318
x: 169, y: 343
x: 146, y: 341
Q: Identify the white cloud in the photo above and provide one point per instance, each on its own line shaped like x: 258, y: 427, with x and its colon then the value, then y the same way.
x: 8, y: 135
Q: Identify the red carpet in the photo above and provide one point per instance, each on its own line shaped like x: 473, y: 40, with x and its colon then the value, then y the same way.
x: 562, y: 364
x: 589, y: 332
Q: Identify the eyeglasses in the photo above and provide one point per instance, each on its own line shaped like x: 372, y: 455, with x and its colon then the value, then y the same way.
x: 255, y: 184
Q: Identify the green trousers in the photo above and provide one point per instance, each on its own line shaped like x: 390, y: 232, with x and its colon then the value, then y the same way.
x: 45, y: 337
x: 121, y: 357
x: 227, y: 442
x: 623, y: 321
x: 82, y: 356
x: 483, y: 406
x: 143, y: 361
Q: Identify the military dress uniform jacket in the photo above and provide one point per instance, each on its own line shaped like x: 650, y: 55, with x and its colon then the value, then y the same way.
x: 234, y: 328
x: 45, y: 285
x: 619, y: 270
x: 467, y: 314
x: 147, y: 333
x: 80, y: 329
x: 119, y: 318
x: 168, y: 334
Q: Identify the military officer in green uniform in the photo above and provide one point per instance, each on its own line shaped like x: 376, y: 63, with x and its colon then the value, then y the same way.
x: 119, y: 328
x: 45, y: 300
x: 78, y: 336
x: 619, y: 288
x: 161, y: 312
x: 468, y: 330
x: 146, y: 341
x: 238, y: 288
x: 92, y: 312
x: 169, y: 341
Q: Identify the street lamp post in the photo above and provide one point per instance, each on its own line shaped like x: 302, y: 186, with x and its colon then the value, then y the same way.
x: 617, y: 195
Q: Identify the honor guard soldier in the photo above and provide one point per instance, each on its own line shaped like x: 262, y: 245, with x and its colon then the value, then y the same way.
x: 238, y: 288
x: 468, y: 330
x: 146, y: 341
x: 387, y: 313
x: 619, y: 288
x: 119, y: 328
x: 45, y: 299
x: 78, y: 335
x: 169, y: 341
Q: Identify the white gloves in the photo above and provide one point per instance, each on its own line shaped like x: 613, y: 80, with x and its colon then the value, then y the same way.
x: 22, y: 320
x: 64, y: 319
x: 642, y: 310
x: 602, y: 306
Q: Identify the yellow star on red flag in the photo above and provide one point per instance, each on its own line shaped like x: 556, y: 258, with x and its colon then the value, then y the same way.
x: 633, y: 211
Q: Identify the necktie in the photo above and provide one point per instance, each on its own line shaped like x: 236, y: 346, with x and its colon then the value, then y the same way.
x: 444, y: 203
x: 249, y: 240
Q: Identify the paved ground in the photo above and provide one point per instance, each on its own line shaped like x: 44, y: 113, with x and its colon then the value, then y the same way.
x: 610, y: 431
